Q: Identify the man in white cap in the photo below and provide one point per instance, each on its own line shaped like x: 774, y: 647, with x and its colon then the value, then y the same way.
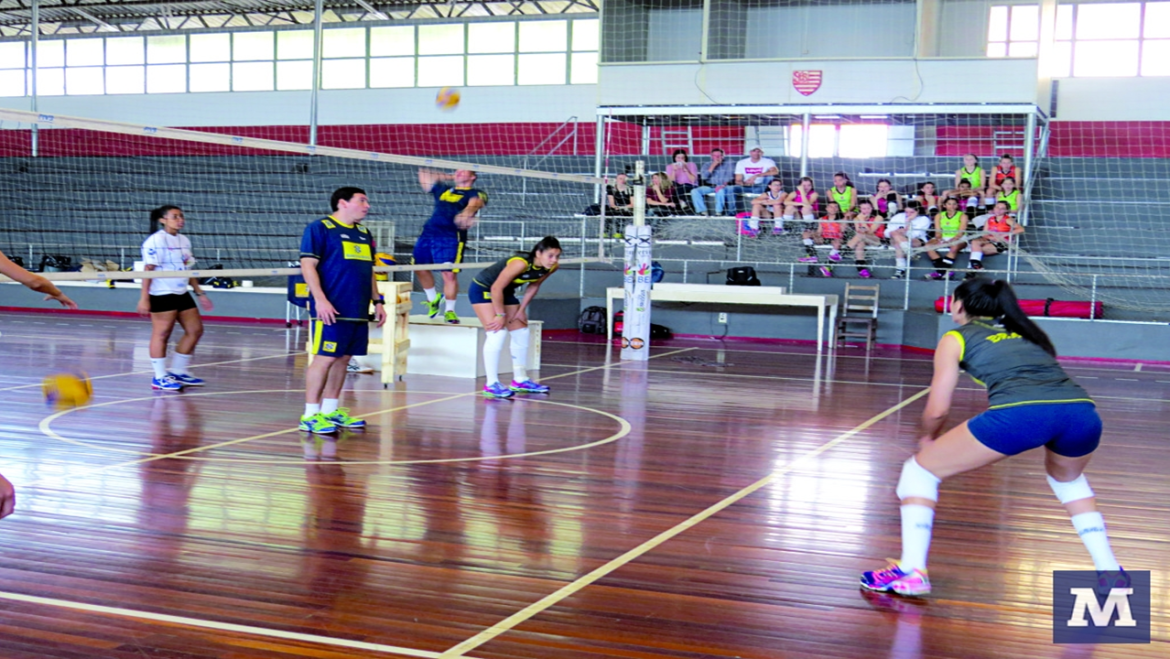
x: 752, y: 174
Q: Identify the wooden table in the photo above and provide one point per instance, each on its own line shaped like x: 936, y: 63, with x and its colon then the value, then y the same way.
x: 773, y: 296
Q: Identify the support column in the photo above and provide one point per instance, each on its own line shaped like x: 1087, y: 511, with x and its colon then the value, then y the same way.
x: 805, y: 123
x: 36, y: 32
x: 318, y: 21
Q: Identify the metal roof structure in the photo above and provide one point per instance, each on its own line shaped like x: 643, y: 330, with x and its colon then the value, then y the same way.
x: 63, y: 17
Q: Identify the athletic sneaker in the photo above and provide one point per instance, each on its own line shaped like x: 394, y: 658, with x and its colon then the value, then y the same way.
x: 834, y: 256
x: 355, y: 367
x: 936, y: 276
x: 745, y: 229
x: 529, y: 387
x: 451, y: 318
x: 317, y: 424
x: 977, y: 265
x: 167, y: 383
x: 807, y: 259
x: 899, y: 273
x: 893, y: 578
x: 825, y: 271
x: 1108, y: 580
x: 497, y: 390
x: 342, y: 419
x: 864, y: 273
x: 186, y: 379
x: 778, y: 230
x: 434, y: 305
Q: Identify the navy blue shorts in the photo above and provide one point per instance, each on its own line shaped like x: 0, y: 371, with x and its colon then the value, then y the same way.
x: 478, y: 294
x: 342, y: 338
x: 1068, y: 429
x: 430, y: 249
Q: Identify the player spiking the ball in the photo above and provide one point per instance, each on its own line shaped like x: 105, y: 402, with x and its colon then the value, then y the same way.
x: 40, y: 285
x: 444, y: 235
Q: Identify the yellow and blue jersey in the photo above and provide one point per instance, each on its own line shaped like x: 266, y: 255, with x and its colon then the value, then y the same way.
x: 345, y: 263
x: 450, y: 202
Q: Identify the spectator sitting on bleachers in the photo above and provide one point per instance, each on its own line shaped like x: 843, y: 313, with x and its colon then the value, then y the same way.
x: 907, y: 230
x: 661, y: 199
x: 886, y: 200
x: 843, y: 193
x: 714, y: 179
x: 830, y: 229
x: 868, y: 229
x: 1010, y: 195
x: 950, y: 229
x: 1005, y: 169
x: 752, y: 175
x: 966, y: 197
x: 996, y: 237
x: 619, y: 203
x: 683, y: 173
x: 803, y: 200
x: 976, y: 180
x: 928, y: 197
x: 769, y: 204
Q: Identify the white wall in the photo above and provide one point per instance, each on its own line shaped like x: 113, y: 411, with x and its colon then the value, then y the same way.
x: 902, y: 81
x: 885, y: 30
x: 1113, y: 99
x: 962, y: 28
x: 551, y: 103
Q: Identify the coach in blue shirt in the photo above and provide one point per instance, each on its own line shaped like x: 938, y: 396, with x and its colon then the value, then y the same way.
x: 337, y: 262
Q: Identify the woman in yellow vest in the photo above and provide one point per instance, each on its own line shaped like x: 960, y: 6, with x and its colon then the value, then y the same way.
x: 950, y: 229
x: 843, y: 193
x: 1010, y: 195
x: 973, y: 173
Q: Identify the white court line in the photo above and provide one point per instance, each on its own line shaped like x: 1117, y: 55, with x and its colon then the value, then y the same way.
x: 1138, y: 367
x: 218, y: 626
x: 118, y: 375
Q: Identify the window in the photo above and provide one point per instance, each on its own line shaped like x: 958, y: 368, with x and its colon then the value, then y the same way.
x: 480, y: 53
x: 845, y: 141
x: 822, y: 140
x: 1114, y: 39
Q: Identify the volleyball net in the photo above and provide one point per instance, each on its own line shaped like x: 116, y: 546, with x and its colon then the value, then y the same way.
x: 79, y: 194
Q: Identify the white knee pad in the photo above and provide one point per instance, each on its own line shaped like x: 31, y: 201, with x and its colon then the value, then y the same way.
x: 808, y: 242
x: 917, y: 482
x: 1074, y: 490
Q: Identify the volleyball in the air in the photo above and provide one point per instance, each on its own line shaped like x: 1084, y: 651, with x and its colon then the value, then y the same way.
x: 447, y: 99
x: 67, y: 390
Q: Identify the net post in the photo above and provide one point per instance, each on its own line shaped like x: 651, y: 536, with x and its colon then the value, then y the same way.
x: 636, y: 323
x: 35, y: 27
x: 318, y: 33
x: 805, y: 121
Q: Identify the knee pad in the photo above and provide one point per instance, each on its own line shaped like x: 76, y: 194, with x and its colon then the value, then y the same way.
x: 917, y: 482
x: 808, y: 242
x: 1074, y: 490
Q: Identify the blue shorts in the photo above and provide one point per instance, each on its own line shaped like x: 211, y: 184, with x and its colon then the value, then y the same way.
x: 478, y: 294
x: 1068, y: 429
x: 431, y: 248
x: 342, y: 338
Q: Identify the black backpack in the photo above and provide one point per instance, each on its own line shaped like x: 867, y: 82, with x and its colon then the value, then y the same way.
x: 592, y: 320
x: 743, y: 275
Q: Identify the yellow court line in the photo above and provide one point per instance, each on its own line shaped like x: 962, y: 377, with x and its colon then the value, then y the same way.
x: 551, y: 600
x: 218, y: 626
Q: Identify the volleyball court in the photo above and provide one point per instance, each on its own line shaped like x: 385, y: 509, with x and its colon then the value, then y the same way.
x: 717, y: 499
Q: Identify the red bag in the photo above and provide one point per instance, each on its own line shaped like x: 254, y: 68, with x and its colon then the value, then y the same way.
x: 1050, y: 307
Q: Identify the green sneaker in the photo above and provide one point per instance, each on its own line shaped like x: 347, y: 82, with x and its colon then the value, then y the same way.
x: 342, y: 419
x: 451, y: 317
x: 434, y: 306
x: 318, y: 424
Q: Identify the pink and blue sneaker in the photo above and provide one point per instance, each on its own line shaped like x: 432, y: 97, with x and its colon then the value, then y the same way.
x: 894, y: 579
x: 745, y: 229
x: 808, y: 259
x: 497, y: 390
x: 529, y: 387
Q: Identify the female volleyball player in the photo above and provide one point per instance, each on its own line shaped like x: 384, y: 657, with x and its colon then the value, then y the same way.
x: 51, y: 292
x: 167, y: 300
x: 1032, y: 402
x: 996, y: 237
x: 868, y: 229
x: 928, y: 197
x: 803, y: 200
x: 829, y: 229
x: 950, y: 229
x: 973, y: 174
x: 493, y: 297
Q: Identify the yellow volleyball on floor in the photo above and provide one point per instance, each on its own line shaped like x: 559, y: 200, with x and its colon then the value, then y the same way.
x: 67, y: 390
x: 447, y: 99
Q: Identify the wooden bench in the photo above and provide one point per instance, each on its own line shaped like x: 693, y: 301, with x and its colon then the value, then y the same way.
x: 730, y: 295
x: 437, y: 348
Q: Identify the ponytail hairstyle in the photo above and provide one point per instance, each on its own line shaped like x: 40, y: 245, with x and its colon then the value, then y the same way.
x: 812, y: 187
x: 157, y: 215
x: 843, y: 175
x: 996, y: 299
x: 545, y: 244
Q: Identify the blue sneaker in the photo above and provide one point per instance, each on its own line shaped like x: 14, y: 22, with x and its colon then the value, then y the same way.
x: 529, y: 387
x: 497, y: 390
x: 342, y: 419
x: 167, y: 383
x: 434, y: 306
x: 186, y: 379
x: 317, y: 424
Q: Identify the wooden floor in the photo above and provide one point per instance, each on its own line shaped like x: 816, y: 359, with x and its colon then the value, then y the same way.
x: 717, y: 501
